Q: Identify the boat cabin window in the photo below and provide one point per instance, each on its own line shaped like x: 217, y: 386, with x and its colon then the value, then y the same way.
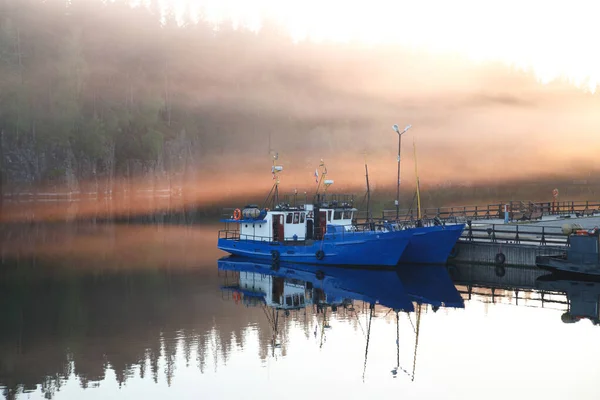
x: 288, y: 218
x: 347, y: 214
x: 337, y: 215
x: 301, y: 218
x: 296, y: 217
x: 329, y: 214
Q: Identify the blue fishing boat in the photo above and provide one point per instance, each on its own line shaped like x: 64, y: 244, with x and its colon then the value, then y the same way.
x: 322, y: 233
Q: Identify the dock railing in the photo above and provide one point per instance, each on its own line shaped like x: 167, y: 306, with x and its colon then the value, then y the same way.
x: 516, y: 234
x: 517, y: 210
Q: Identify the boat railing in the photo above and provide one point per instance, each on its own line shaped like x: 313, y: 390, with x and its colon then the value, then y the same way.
x: 403, y: 224
x: 229, y: 234
x: 340, y: 232
x: 234, y: 234
x: 255, y: 238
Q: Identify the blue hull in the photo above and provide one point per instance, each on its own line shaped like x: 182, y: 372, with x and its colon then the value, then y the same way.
x: 351, y: 248
x: 432, y: 244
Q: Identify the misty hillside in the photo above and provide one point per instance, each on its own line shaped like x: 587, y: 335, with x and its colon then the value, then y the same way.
x: 95, y: 91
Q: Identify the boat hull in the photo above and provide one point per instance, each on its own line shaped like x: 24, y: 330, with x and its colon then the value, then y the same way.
x: 431, y: 244
x: 356, y: 248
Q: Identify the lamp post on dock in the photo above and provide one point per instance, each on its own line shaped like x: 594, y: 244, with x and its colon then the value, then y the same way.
x: 397, y: 130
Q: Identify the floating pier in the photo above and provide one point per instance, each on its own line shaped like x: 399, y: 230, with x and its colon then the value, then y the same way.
x: 502, y: 254
x: 515, y: 244
x: 508, y: 233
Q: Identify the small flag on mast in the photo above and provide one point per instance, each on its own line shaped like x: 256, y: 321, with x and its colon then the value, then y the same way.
x: 316, y: 176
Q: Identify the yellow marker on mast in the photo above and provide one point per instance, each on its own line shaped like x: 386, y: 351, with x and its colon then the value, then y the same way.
x: 326, y: 182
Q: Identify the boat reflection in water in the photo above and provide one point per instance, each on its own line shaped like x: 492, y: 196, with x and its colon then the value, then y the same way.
x: 326, y: 289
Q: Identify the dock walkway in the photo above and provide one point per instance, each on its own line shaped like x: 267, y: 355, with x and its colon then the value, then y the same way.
x: 495, y: 242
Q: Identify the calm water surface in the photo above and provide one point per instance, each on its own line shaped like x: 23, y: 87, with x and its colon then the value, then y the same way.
x: 143, y: 311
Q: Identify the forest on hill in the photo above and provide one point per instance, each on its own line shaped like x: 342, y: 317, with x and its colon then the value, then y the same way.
x: 98, y: 89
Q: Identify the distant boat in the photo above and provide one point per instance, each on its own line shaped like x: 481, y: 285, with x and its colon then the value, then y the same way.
x: 326, y: 233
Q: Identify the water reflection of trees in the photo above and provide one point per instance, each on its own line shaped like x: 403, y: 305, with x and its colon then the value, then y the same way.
x: 57, y: 324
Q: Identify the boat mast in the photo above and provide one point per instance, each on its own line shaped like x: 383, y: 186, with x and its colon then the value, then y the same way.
x: 397, y: 130
x: 275, y: 170
x: 417, y: 177
x: 368, y: 192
